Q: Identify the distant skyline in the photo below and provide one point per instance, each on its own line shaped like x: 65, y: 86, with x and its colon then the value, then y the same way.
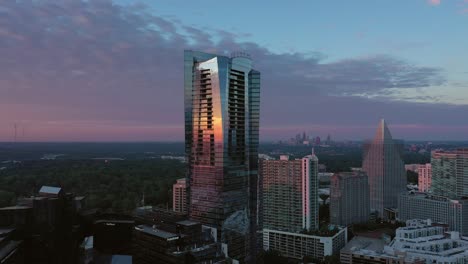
x: 113, y: 71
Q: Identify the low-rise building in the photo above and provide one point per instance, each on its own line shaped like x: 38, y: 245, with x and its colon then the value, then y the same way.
x: 365, y: 250
x: 153, y: 245
x: 439, y: 209
x: 299, y: 245
x: 419, y: 242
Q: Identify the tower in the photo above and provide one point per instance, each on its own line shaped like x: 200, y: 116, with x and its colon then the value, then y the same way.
x: 383, y: 163
x: 349, y: 198
x: 290, y: 193
x: 222, y: 107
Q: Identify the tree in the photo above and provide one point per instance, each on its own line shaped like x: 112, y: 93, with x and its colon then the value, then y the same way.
x: 412, y: 177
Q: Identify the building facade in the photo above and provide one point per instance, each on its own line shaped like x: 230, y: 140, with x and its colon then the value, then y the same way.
x: 298, y: 245
x: 222, y: 108
x: 450, y: 173
x: 365, y: 250
x: 45, y: 223
x: 179, y: 196
x: 349, y: 198
x: 424, y: 177
x: 290, y: 193
x: 419, y: 242
x: 438, y: 209
x: 383, y: 163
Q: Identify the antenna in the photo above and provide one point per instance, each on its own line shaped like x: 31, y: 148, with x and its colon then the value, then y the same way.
x: 15, y: 125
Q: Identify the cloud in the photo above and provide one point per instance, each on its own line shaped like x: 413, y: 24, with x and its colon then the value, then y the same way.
x: 95, y: 62
x: 434, y: 2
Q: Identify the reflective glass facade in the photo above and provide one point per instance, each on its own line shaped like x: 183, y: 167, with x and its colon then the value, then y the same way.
x: 222, y: 107
x: 383, y: 163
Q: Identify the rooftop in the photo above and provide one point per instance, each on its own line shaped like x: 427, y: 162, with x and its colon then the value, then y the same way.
x: 187, y: 223
x: 6, y: 231
x: 364, y: 243
x: 16, y: 207
x: 50, y: 190
x: 8, y: 249
x: 156, y: 232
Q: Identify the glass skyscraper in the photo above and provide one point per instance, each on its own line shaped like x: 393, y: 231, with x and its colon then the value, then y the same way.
x: 383, y: 163
x: 222, y: 108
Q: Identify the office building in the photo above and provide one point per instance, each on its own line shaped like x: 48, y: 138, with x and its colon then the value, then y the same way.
x: 165, y: 236
x: 45, y: 223
x: 179, y: 196
x: 222, y: 107
x: 450, y: 173
x: 112, y: 234
x: 443, y: 210
x: 383, y: 163
x: 424, y: 177
x: 290, y: 193
x: 419, y: 242
x: 349, y: 198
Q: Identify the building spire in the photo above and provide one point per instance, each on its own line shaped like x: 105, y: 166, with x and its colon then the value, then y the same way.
x: 383, y: 133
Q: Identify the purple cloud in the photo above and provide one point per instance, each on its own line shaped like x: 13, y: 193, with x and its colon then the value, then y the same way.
x: 93, y: 70
x: 434, y: 2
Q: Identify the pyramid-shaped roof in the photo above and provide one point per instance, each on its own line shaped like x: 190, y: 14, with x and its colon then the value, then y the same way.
x: 383, y: 133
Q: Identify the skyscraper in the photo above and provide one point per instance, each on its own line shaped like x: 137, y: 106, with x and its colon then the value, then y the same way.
x: 450, y: 173
x: 291, y: 210
x: 383, y: 163
x: 222, y: 107
x: 290, y: 193
x: 349, y: 198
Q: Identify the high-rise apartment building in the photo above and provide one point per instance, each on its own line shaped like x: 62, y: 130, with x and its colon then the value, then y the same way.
x: 179, y: 196
x: 349, y: 198
x: 383, y: 163
x: 222, y: 107
x: 424, y: 177
x: 290, y: 193
x: 290, y: 207
x: 450, y: 173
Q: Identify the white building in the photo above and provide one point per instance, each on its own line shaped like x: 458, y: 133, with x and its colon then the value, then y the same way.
x: 423, y: 240
x: 298, y: 245
x: 424, y: 177
x: 418, y: 242
x: 439, y: 209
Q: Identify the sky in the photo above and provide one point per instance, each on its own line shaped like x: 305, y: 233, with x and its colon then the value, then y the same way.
x: 102, y: 70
